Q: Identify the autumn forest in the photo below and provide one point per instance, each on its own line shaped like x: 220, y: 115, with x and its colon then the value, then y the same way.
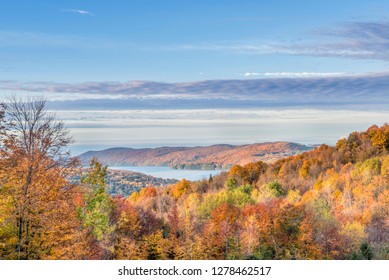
x: 328, y: 203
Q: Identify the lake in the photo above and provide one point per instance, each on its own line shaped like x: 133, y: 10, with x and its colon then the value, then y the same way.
x: 166, y: 172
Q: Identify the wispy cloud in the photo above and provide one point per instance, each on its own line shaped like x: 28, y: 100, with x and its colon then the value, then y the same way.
x: 296, y: 74
x: 315, y: 49
x: 79, y: 12
x: 360, y: 40
x: 248, y: 19
x: 259, y: 48
x: 210, y: 117
x: 39, y: 40
x: 31, y: 39
x: 5, y: 65
x: 282, y: 89
x: 164, y: 127
x: 357, y: 40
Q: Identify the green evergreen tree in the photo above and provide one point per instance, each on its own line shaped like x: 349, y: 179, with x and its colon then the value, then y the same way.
x: 97, y: 210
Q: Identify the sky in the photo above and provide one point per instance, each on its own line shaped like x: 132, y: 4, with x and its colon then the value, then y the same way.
x: 183, y: 73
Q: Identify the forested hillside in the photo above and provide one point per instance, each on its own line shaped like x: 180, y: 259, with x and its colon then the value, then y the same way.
x: 328, y: 203
x: 124, y: 182
x: 207, y: 157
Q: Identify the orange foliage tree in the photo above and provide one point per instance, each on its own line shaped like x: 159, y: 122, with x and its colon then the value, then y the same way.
x: 38, y: 202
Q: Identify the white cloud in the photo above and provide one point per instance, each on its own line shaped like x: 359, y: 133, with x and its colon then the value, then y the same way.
x: 298, y: 74
x: 248, y: 74
x: 80, y: 12
x: 305, y: 74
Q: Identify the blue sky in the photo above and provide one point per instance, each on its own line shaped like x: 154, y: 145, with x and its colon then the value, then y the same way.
x: 258, y: 55
x: 76, y: 41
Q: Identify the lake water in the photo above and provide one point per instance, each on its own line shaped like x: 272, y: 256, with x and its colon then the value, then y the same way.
x: 168, y: 173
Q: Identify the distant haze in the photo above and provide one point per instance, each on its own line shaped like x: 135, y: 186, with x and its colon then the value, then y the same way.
x: 149, y: 114
x: 154, y: 128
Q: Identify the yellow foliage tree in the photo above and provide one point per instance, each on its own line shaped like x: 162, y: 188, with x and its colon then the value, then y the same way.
x: 181, y: 188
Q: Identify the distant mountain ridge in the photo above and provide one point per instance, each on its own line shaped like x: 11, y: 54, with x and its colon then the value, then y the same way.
x: 219, y: 156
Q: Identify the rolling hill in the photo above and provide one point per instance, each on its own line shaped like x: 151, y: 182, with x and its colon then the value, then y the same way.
x: 208, y: 157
